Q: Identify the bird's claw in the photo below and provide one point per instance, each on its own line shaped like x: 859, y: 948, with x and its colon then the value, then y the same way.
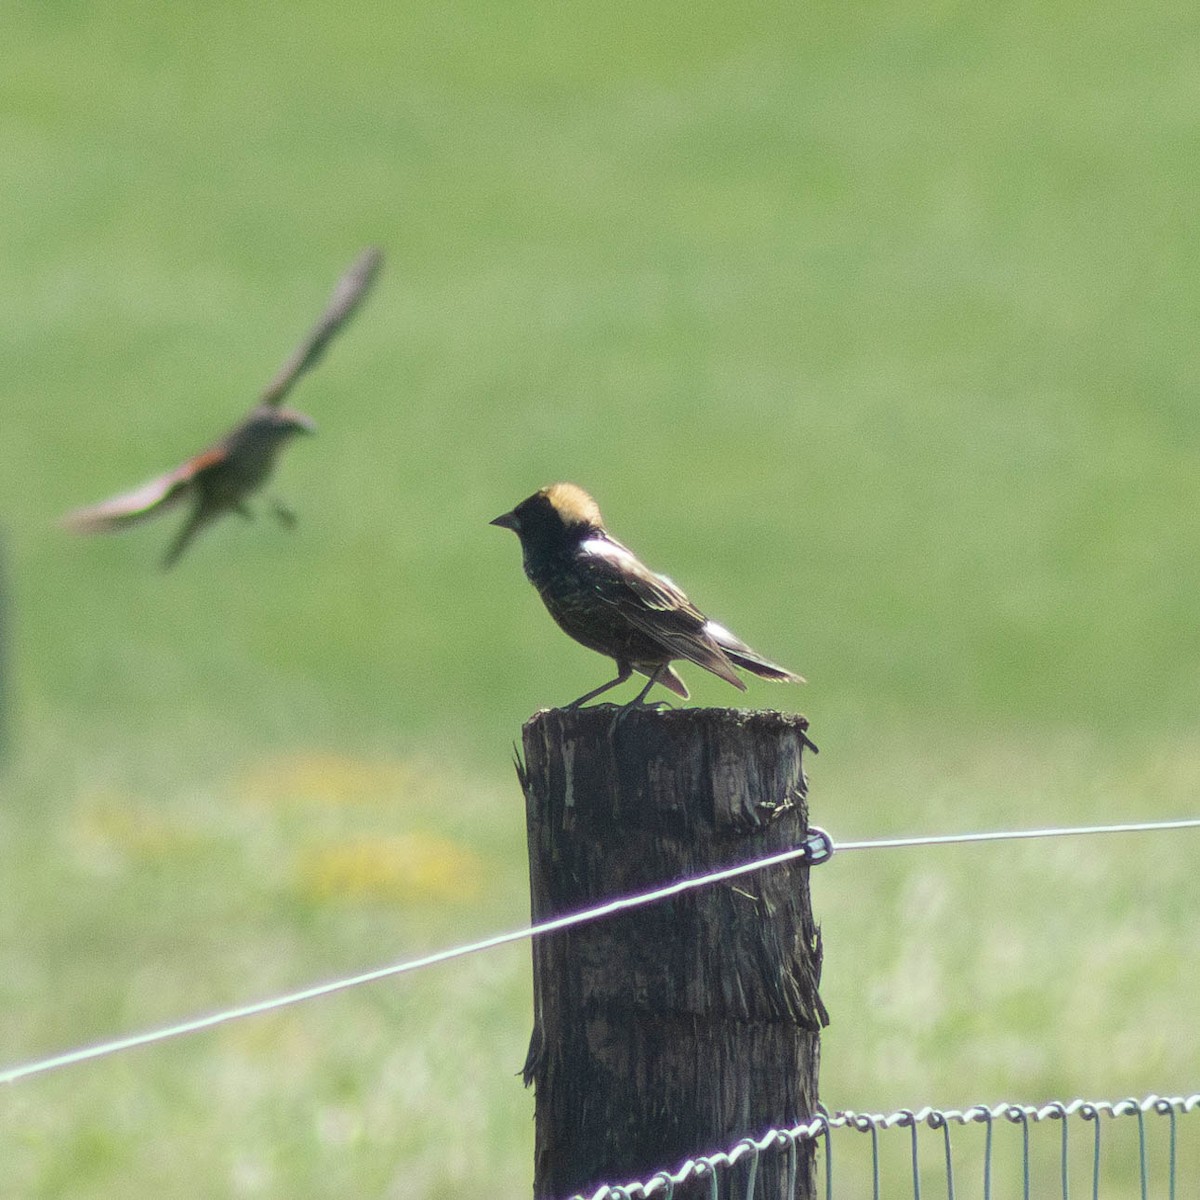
x: 638, y: 705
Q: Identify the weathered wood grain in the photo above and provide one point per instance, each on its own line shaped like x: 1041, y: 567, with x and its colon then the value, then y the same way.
x: 674, y: 1029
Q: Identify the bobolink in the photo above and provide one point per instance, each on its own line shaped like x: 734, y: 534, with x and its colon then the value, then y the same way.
x: 218, y: 480
x: 601, y: 595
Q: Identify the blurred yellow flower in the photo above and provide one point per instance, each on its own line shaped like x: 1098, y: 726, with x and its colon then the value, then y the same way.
x: 329, y: 779
x: 409, y: 866
x: 114, y: 824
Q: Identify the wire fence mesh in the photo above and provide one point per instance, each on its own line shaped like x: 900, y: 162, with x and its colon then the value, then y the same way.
x: 997, y: 1152
x: 1015, y: 1159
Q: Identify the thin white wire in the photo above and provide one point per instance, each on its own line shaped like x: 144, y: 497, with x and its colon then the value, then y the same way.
x: 324, y: 989
x: 950, y: 839
x: 103, y: 1049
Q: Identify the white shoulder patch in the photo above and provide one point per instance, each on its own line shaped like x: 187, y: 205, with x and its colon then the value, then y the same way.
x: 603, y: 548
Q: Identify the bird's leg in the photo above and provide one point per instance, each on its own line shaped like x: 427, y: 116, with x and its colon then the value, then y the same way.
x: 624, y: 670
x: 639, y: 701
x: 284, y: 515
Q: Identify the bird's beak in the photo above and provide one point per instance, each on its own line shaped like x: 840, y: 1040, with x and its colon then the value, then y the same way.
x: 508, y: 520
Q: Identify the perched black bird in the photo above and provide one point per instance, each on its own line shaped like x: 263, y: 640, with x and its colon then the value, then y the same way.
x: 605, y: 598
x: 218, y: 480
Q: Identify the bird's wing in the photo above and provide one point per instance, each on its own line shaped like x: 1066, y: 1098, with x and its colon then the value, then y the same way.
x: 142, y: 503
x: 347, y: 296
x: 654, y: 604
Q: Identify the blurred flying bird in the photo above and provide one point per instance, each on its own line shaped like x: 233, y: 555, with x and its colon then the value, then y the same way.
x: 602, y: 596
x: 218, y: 480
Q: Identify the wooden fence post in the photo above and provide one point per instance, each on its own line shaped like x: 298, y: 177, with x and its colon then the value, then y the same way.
x: 675, y: 1029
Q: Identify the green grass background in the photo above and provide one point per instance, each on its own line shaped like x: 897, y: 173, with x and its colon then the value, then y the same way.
x: 872, y: 324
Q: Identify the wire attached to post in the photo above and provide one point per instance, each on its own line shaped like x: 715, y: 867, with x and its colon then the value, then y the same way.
x: 817, y: 848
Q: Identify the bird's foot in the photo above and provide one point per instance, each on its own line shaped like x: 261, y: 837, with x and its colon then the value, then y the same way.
x: 638, y: 704
x: 284, y: 515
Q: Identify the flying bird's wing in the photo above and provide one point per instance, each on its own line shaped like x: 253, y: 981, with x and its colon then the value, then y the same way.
x: 347, y: 296
x: 142, y: 503
x: 654, y: 604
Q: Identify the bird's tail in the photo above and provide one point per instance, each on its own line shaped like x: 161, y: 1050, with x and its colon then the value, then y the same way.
x: 197, y: 519
x: 762, y: 668
x: 750, y: 660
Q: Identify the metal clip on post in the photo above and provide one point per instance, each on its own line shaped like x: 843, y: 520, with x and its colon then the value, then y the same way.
x: 819, y: 846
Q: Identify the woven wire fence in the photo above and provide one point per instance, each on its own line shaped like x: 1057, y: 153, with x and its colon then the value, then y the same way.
x: 1074, y: 1161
